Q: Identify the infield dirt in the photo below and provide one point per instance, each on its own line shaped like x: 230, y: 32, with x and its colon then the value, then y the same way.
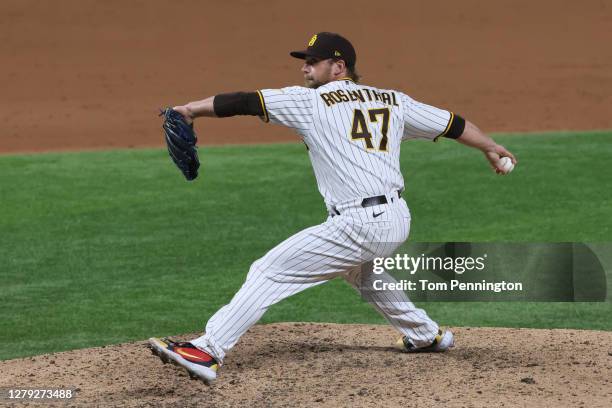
x: 331, y: 365
x: 83, y: 74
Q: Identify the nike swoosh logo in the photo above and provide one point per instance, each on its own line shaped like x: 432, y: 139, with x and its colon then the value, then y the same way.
x: 376, y: 215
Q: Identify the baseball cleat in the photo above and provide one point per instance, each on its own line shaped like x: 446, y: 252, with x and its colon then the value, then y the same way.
x: 199, y: 364
x: 442, y: 342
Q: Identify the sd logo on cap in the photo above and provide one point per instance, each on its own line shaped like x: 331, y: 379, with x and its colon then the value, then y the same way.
x: 328, y: 45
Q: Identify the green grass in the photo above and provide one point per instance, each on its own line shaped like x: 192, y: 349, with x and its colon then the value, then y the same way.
x: 106, y: 247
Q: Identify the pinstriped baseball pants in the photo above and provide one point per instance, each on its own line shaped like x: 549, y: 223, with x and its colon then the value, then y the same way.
x: 343, y: 246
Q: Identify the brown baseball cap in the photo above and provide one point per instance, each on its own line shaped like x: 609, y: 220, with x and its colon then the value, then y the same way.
x: 328, y: 45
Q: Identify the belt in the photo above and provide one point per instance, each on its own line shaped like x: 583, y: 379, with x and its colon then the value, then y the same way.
x: 371, y: 201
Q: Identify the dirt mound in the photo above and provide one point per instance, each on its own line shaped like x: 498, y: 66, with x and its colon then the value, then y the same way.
x: 303, y: 364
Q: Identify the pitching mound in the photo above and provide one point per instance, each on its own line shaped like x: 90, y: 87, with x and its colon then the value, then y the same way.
x: 303, y: 364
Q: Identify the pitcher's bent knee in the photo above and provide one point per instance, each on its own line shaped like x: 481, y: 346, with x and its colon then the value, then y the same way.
x: 256, y: 268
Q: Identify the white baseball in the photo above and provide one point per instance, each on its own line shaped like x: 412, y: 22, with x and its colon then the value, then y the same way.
x: 505, y: 163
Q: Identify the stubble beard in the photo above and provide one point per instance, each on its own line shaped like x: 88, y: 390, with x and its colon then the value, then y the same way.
x: 313, y: 84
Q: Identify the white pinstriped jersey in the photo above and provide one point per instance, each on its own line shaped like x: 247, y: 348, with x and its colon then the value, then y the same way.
x: 353, y: 133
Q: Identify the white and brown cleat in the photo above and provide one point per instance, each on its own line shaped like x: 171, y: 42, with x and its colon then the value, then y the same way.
x: 442, y: 342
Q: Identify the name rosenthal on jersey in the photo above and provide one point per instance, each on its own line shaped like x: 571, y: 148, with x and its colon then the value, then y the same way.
x: 353, y: 133
x: 359, y: 95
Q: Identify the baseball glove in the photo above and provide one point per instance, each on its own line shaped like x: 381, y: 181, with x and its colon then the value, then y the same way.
x: 181, y: 141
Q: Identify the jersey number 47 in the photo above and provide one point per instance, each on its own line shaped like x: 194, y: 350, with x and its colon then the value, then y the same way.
x: 360, y: 127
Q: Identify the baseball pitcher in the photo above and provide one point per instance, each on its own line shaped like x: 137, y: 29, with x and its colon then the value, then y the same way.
x: 353, y: 134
